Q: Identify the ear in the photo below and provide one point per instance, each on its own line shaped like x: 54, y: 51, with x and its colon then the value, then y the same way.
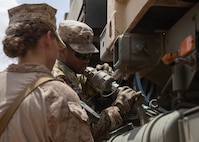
x: 48, y: 39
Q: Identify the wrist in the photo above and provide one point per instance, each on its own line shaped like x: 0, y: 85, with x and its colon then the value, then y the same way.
x: 114, y: 116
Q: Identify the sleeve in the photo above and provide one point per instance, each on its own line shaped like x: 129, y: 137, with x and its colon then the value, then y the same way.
x: 66, y: 120
x: 110, y: 119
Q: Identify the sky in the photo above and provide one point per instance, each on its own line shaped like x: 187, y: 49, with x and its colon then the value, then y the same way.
x: 62, y: 7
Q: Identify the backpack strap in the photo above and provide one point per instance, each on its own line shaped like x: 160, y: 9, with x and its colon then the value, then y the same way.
x: 13, y: 107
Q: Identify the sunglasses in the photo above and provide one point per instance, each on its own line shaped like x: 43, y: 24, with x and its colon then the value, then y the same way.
x: 79, y: 55
x: 83, y: 56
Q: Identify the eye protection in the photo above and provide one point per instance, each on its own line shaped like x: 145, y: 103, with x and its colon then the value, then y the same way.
x: 83, y: 56
x: 79, y: 55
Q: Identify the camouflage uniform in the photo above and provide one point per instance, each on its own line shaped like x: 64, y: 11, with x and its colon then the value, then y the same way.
x: 79, y: 36
x: 52, y: 111
x: 61, y: 71
x: 110, y: 118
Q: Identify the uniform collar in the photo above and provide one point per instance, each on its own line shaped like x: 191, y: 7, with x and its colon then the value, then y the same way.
x: 24, y: 68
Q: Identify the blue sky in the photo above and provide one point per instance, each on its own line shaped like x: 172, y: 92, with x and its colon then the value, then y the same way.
x: 62, y: 7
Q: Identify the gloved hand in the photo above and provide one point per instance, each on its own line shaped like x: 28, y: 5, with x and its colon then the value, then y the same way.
x: 126, y: 98
x: 105, y: 67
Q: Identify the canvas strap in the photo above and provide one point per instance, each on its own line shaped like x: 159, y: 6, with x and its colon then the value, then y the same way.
x: 13, y: 107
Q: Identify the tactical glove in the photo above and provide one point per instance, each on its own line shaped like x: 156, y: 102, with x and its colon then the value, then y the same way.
x: 126, y: 97
x: 105, y: 67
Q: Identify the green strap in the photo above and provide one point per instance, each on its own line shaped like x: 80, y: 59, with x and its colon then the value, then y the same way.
x: 13, y: 107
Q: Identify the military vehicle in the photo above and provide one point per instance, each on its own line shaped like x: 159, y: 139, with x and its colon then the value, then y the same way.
x: 153, y: 46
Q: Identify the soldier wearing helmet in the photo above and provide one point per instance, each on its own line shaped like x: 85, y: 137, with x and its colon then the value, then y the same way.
x: 72, y: 61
